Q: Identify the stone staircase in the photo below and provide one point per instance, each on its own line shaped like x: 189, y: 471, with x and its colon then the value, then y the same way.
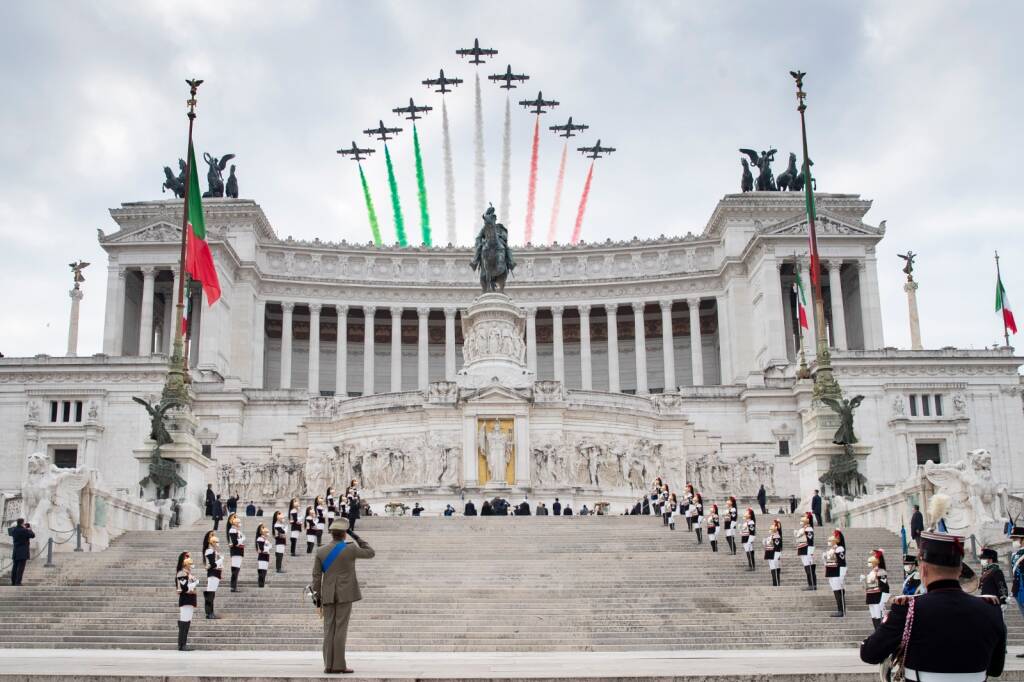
x: 605, y: 583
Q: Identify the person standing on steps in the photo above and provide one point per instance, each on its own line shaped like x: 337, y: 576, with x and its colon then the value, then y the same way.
x: 950, y: 634
x: 214, y: 561
x: 730, y: 520
x: 916, y: 524
x: 218, y: 512
x: 294, y: 522
x: 262, y: 554
x: 698, y: 517
x: 911, y: 576
x: 210, y: 497
x: 992, y: 580
x: 805, y: 550
x: 713, y: 522
x: 335, y: 588
x: 792, y: 504
x: 835, y: 570
x: 773, y: 552
x: 354, y: 502
x: 748, y: 532
x: 816, y: 507
x: 280, y: 539
x: 186, y: 584
x: 310, y: 522
x: 233, y: 504
x: 21, y: 533
x: 236, y: 539
x: 556, y: 508
x: 688, y: 509
x: 320, y: 508
x: 673, y: 511
x: 469, y: 509
x: 762, y: 499
x: 876, y: 583
x: 332, y: 505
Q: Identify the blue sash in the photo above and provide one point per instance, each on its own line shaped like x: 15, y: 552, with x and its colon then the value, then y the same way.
x: 332, y: 555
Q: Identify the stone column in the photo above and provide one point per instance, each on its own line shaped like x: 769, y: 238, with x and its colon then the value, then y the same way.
x: 640, y: 348
x: 259, y: 345
x: 586, y: 370
x: 696, y: 349
x: 724, y: 339
x: 531, y: 339
x: 870, y: 304
x: 76, y: 299
x: 314, y: 349
x: 810, y: 340
x: 368, y: 315
x: 612, y: 311
x: 774, y: 312
x: 396, y: 350
x: 146, y: 312
x: 423, y: 348
x: 341, y: 358
x: 836, y: 295
x: 558, y: 345
x: 449, y: 344
x: 122, y: 275
x: 915, y: 324
x: 668, y: 351
x: 109, y: 317
x: 286, y: 344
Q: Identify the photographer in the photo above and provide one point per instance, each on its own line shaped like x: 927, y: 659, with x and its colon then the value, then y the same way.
x: 21, y: 533
x: 334, y: 589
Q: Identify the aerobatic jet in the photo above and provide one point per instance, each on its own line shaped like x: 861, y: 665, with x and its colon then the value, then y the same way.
x: 355, y: 152
x: 412, y: 110
x: 382, y: 132
x: 442, y: 82
x: 508, y: 77
x: 539, y: 105
x: 566, y: 130
x: 476, y: 52
x: 596, y: 151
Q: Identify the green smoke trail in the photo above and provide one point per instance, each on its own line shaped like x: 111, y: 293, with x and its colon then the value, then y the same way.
x: 396, y: 205
x: 421, y: 189
x: 372, y: 214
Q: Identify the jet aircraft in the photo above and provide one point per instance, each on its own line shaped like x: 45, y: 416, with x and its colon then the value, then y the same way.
x: 382, y: 132
x: 539, y: 105
x: 476, y: 52
x: 412, y: 110
x: 442, y: 82
x: 355, y: 152
x: 596, y: 151
x: 566, y: 130
x: 508, y: 77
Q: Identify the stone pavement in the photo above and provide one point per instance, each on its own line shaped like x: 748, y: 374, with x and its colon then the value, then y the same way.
x: 787, y: 665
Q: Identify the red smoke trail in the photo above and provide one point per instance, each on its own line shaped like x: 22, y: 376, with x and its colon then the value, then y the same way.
x: 583, y: 205
x: 553, y: 227
x: 531, y: 195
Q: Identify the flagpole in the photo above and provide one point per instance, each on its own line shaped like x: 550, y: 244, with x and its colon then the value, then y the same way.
x: 999, y: 279
x: 803, y: 372
x: 177, y: 374
x: 825, y: 385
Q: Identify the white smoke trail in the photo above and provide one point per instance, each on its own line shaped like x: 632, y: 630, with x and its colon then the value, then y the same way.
x: 449, y: 175
x: 553, y: 227
x: 479, y: 190
x: 506, y: 165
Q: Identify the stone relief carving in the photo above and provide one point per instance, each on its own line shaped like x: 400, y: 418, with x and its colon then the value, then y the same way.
x: 276, y: 478
x: 444, y: 392
x: 492, y: 338
x: 52, y: 498
x: 667, y: 403
x: 977, y: 502
x: 713, y: 475
x: 33, y: 411
x: 547, y: 391
x: 898, y: 407
x: 959, y: 403
x: 613, y: 463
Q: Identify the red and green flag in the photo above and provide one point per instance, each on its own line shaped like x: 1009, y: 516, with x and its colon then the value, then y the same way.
x: 812, y: 214
x: 1003, y: 306
x: 801, y: 301
x: 198, y: 259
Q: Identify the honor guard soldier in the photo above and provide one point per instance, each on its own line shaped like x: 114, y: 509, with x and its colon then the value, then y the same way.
x: 295, y: 522
x: 236, y: 538
x: 354, y: 503
x: 876, y: 586
x: 262, y: 554
x: 214, y: 561
x: 730, y: 521
x: 666, y: 508
x: 1017, y: 569
x: 992, y: 581
x: 335, y: 587
x: 698, y: 516
x: 713, y: 522
x: 310, y: 530
x: 805, y: 550
x: 835, y: 565
x: 773, y: 552
x: 673, y: 511
x: 186, y: 584
x: 320, y: 507
x: 689, y: 499
x: 280, y: 538
x: 656, y: 496
x: 748, y: 531
x: 911, y: 576
x: 950, y: 636
x: 332, y: 505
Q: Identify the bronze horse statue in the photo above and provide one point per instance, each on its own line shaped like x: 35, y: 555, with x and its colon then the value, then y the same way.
x: 493, y: 257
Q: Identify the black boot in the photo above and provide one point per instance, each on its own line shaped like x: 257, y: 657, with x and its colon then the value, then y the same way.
x: 212, y: 597
x: 814, y: 576
x: 664, y: 519
x: 309, y: 547
x: 732, y: 543
x: 840, y: 612
x: 700, y: 537
x: 689, y: 524
x: 183, y: 627
x: 775, y: 582
x: 714, y: 545
x: 293, y: 546
x: 807, y: 572
x: 750, y: 561
x: 876, y: 622
x: 261, y: 577
x: 280, y: 562
x: 234, y: 579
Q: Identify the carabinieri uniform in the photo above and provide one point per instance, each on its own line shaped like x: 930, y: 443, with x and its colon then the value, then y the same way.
x: 748, y: 532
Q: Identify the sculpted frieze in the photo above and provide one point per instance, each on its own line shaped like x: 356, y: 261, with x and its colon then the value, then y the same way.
x: 715, y: 476
x: 608, y: 462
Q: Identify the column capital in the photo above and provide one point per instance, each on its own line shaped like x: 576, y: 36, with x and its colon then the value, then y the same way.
x: 583, y: 309
x: 833, y: 263
x: 693, y: 302
x: 450, y: 312
x: 423, y: 312
x: 638, y: 307
x: 861, y: 264
x: 557, y: 310
x: 287, y: 306
x: 666, y: 305
x: 149, y: 271
x: 779, y: 264
x: 314, y: 308
x: 611, y: 308
x: 531, y: 311
x: 342, y: 310
x: 122, y: 272
x: 369, y: 310
x: 396, y: 311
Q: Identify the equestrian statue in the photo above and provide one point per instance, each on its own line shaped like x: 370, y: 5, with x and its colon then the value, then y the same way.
x: 492, y: 255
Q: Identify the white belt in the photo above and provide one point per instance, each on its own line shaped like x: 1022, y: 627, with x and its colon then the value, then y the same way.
x: 924, y: 676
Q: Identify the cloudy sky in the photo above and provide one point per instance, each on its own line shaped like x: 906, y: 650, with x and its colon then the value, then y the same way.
x: 915, y: 105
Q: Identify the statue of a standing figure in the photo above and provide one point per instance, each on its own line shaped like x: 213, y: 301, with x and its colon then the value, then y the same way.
x: 215, y: 176
x: 157, y: 430
x: 763, y: 162
x: 844, y: 434
x: 908, y: 269
x: 76, y: 271
x: 231, y: 190
x: 497, y: 449
x: 492, y: 254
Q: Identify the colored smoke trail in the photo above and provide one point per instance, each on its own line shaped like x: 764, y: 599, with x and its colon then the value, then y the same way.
x: 479, y: 190
x: 371, y: 214
x: 396, y: 205
x: 506, y: 164
x: 558, y: 195
x: 449, y: 175
x: 531, y: 192
x: 421, y: 189
x: 583, y: 206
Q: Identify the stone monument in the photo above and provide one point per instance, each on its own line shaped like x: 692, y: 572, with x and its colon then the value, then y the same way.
x: 76, y: 299
x: 911, y: 288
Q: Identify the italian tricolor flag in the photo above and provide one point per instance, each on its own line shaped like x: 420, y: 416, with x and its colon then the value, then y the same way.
x: 801, y: 301
x: 1003, y: 305
x: 198, y: 259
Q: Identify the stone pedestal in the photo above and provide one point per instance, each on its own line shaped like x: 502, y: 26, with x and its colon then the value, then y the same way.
x: 494, y: 346
x: 187, y: 452
x: 817, y: 449
x: 76, y: 299
x: 915, y: 323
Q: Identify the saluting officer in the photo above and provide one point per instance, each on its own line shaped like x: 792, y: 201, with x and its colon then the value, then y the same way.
x: 186, y: 584
x: 951, y: 635
x: 294, y: 522
x: 262, y: 554
x: 773, y: 552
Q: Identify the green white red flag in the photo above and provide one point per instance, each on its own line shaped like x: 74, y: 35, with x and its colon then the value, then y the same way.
x: 812, y: 214
x: 1003, y: 306
x: 801, y: 301
x: 198, y: 259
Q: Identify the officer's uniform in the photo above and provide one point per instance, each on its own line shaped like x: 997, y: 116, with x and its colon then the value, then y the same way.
x: 237, y: 540
x: 748, y: 532
x: 912, y: 577
x: 835, y: 571
x: 954, y: 637
x: 773, y: 555
x: 262, y: 557
x: 713, y: 522
x: 311, y: 530
x: 730, y: 521
x: 334, y: 591
x: 280, y: 539
x: 214, y: 572
x: 295, y: 525
x: 186, y: 584
x: 992, y: 581
x: 876, y: 588
x: 698, y: 517
x: 805, y: 552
